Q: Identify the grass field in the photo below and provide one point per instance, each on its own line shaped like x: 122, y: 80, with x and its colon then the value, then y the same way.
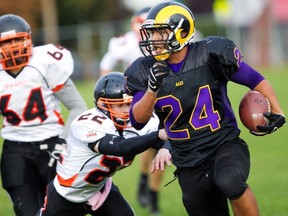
x: 269, y: 161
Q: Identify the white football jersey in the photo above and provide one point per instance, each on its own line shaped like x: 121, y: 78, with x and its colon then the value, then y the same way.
x: 29, y: 108
x: 121, y: 50
x: 81, y: 172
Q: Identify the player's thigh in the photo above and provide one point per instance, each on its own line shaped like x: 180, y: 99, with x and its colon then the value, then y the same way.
x: 15, y: 168
x: 234, y: 153
x: 199, y: 195
x: 115, y: 205
x: 56, y: 205
x: 231, y: 168
x: 25, y: 199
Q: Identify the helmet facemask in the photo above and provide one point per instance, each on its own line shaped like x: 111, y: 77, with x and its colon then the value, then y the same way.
x: 172, y: 39
x: 150, y: 47
x: 15, y: 50
x: 120, y: 119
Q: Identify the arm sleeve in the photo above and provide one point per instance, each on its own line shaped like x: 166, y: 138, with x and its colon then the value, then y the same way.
x: 73, y: 101
x: 247, y: 76
x: 119, y: 146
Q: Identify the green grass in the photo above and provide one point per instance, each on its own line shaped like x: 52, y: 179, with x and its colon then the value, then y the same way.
x: 269, y: 161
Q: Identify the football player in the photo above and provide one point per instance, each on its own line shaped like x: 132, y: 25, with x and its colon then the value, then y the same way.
x: 185, y: 82
x: 34, y: 80
x: 100, y: 143
x: 122, y: 51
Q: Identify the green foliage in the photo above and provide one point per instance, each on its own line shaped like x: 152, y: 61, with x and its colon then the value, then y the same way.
x: 268, y: 177
x: 74, y: 11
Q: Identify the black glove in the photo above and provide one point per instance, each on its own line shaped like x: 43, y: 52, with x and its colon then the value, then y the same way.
x: 275, y: 121
x: 58, y: 148
x: 157, y: 73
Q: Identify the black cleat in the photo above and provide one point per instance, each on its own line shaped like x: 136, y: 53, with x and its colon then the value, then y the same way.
x: 143, y: 193
x: 143, y: 197
x: 154, y: 209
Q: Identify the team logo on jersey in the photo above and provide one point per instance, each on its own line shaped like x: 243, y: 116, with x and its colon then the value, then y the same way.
x: 180, y: 83
x: 91, y: 134
x: 238, y: 55
x: 111, y: 142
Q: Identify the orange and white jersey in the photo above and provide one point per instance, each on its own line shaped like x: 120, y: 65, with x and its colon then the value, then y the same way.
x: 81, y: 172
x: 121, y: 50
x: 29, y: 108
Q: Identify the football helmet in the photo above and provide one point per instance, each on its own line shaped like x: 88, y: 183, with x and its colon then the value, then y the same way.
x: 15, y: 42
x: 109, y: 90
x: 174, y: 22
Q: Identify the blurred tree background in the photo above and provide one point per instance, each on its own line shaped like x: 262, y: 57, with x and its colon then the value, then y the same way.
x: 85, y: 27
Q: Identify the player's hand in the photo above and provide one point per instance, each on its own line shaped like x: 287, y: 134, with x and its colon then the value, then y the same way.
x: 275, y: 121
x: 159, y: 70
x: 58, y: 148
x: 162, y: 158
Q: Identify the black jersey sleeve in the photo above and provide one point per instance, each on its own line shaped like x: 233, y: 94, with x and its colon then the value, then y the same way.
x: 227, y: 53
x: 136, y: 75
x: 119, y: 146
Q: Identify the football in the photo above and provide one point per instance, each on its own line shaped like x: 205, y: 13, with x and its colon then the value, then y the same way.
x: 251, y: 109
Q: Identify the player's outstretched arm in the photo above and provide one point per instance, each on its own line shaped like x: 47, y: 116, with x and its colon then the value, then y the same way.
x: 119, y: 146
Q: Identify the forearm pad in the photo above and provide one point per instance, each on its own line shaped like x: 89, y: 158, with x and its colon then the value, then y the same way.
x: 119, y: 146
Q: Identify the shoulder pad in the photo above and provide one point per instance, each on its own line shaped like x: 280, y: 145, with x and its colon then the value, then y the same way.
x: 229, y: 54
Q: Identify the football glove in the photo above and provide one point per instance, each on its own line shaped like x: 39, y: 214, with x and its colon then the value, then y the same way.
x: 275, y: 121
x: 58, y: 148
x: 157, y: 73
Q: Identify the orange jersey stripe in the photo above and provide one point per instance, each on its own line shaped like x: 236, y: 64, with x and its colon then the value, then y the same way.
x: 66, y: 182
x: 60, y: 119
x: 57, y: 88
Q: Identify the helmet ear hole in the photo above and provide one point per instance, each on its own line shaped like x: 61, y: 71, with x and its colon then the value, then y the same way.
x: 183, y: 34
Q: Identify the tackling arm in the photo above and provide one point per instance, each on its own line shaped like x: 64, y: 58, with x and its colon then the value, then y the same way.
x: 119, y: 146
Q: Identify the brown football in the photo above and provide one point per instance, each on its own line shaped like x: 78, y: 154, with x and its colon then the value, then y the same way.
x: 251, y: 109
